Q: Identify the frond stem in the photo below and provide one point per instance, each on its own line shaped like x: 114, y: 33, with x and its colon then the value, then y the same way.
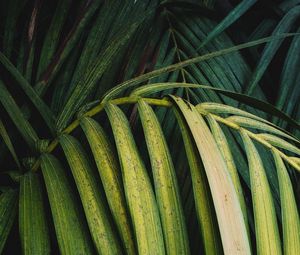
x: 164, y: 102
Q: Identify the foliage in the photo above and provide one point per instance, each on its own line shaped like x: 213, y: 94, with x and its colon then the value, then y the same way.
x: 149, y: 127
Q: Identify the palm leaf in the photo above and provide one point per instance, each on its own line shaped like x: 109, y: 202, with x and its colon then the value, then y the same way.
x: 204, y: 204
x: 166, y: 187
x: 290, y: 216
x: 139, y: 193
x: 110, y: 176
x: 71, y: 229
x: 229, y: 214
x: 136, y: 157
x: 267, y: 234
x: 93, y: 204
x: 8, y: 211
x: 34, y: 231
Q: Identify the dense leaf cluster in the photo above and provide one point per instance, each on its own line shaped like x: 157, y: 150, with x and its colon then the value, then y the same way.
x: 149, y: 127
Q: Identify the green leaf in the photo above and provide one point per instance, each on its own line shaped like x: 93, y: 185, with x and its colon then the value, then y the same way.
x: 203, y: 200
x: 53, y: 34
x: 139, y: 193
x: 111, y: 178
x: 271, y: 48
x: 34, y: 97
x: 93, y: 204
x: 7, y: 141
x: 32, y: 216
x: 234, y: 15
x: 12, y: 11
x: 17, y: 116
x: 112, y: 93
x: 290, y: 215
x: 71, y: 229
x: 87, y: 11
x: 229, y: 214
x: 288, y: 94
x: 166, y: 186
x: 8, y: 210
x: 87, y: 83
x: 266, y: 228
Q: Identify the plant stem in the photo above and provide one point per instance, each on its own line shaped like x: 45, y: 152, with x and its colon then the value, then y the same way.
x: 95, y: 110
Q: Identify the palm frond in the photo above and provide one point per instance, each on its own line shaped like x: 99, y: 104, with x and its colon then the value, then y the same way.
x: 149, y: 127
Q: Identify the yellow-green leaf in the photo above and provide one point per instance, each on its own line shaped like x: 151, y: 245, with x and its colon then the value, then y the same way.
x: 280, y: 143
x: 138, y: 190
x: 166, y: 186
x: 70, y: 226
x: 93, y: 204
x: 266, y: 229
x: 109, y: 171
x: 289, y: 212
x: 255, y: 124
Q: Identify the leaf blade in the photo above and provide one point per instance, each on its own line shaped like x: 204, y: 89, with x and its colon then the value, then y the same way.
x: 100, y: 228
x: 111, y: 178
x: 266, y: 230
x: 139, y: 194
x: 8, y: 211
x: 33, y: 228
x: 229, y: 214
x: 290, y: 215
x: 166, y: 186
x: 71, y: 230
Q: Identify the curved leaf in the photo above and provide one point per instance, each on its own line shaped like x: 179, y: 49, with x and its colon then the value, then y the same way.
x: 17, y: 117
x: 96, y: 69
x: 278, y: 142
x: 266, y: 228
x: 236, y: 13
x: 229, y: 214
x: 33, y: 227
x: 97, y: 217
x: 71, y: 230
x: 224, y: 148
x: 290, y: 215
x: 139, y: 193
x: 271, y: 48
x: 110, y: 174
x: 144, y: 77
x: 251, y: 123
x: 166, y: 186
x: 203, y: 201
x: 34, y: 97
x: 251, y: 101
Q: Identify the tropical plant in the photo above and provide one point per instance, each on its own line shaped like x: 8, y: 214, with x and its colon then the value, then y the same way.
x: 149, y: 127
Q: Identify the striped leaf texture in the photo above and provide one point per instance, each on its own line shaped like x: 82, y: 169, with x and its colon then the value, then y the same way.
x: 34, y: 232
x: 138, y: 190
x: 70, y: 226
x: 101, y: 230
x: 166, y: 187
x: 149, y: 127
x: 111, y: 178
x: 8, y: 211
